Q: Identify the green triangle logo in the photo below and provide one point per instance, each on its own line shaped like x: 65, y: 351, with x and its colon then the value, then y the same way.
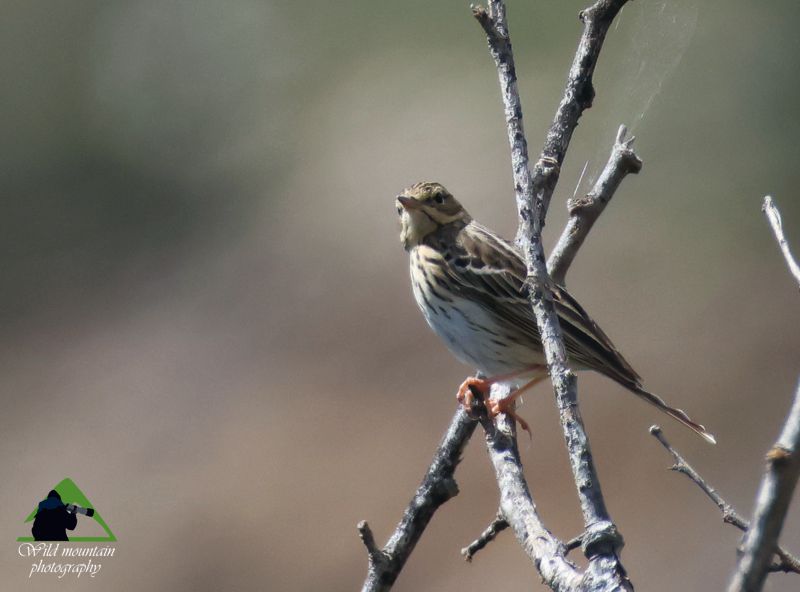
x: 72, y: 494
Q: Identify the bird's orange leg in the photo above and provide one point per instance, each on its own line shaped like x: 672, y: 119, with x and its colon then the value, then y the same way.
x: 483, y: 385
x: 464, y: 394
x: 506, y: 405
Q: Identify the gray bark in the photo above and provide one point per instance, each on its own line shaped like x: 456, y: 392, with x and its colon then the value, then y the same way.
x: 601, y: 542
x: 534, y: 188
x: 436, y: 488
x: 584, y: 211
x: 785, y: 560
x: 772, y: 503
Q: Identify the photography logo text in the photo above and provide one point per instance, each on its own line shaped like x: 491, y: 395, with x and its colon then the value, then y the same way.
x: 51, y: 550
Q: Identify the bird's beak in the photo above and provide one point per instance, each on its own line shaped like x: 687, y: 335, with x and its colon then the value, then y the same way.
x: 409, y: 203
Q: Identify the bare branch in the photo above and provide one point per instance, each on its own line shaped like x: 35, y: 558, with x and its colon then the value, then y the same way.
x: 584, y: 212
x: 365, y: 532
x: 578, y: 96
x: 772, y: 503
x: 574, y: 543
x: 516, y: 504
x: 787, y: 562
x: 381, y: 574
x: 729, y: 515
x: 774, y: 217
x: 497, y: 526
x: 450, y: 446
x: 783, y: 469
x: 533, y: 191
x: 436, y: 488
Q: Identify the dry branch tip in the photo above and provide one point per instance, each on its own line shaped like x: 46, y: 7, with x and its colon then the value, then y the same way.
x: 365, y: 533
x: 498, y: 525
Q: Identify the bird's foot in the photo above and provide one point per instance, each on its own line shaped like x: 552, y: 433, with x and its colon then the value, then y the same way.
x: 468, y: 388
x: 507, y: 405
x: 474, y: 387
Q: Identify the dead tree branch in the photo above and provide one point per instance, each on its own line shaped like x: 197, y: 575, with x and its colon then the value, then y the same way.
x: 584, y: 211
x: 534, y: 189
x: 760, y: 544
x: 498, y: 525
x: 436, y: 488
x: 786, y: 561
x: 518, y: 508
x: 547, y: 552
x: 774, y: 217
x: 772, y: 503
x: 622, y: 161
x: 783, y: 469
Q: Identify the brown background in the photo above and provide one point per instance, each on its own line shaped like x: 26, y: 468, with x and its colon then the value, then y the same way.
x: 206, y: 315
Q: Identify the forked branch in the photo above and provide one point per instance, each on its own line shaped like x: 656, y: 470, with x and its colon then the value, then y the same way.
x: 785, y: 560
x: 772, y: 503
x: 498, y: 525
x: 780, y: 479
x: 760, y: 546
x: 534, y: 189
x: 437, y: 487
x: 583, y: 214
x: 584, y: 211
x: 601, y: 540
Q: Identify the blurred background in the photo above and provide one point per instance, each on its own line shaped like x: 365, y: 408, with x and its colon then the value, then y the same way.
x: 207, y: 319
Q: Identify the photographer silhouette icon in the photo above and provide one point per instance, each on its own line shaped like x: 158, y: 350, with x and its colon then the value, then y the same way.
x: 58, y: 513
x: 52, y: 519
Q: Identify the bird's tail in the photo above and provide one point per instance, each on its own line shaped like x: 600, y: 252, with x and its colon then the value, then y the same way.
x: 677, y: 414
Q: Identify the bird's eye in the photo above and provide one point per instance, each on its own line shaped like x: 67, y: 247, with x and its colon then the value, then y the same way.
x: 438, y: 198
x: 399, y: 210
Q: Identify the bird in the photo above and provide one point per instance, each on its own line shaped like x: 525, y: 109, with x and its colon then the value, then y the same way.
x: 470, y: 285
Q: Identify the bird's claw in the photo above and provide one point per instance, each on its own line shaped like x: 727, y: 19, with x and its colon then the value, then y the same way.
x: 506, y: 405
x: 471, y: 389
x: 478, y: 388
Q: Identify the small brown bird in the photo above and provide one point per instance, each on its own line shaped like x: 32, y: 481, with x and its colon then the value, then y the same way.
x: 470, y: 285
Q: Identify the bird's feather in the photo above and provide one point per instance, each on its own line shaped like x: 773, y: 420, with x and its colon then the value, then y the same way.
x: 488, y: 269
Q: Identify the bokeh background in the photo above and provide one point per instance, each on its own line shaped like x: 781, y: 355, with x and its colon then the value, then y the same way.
x: 207, y: 322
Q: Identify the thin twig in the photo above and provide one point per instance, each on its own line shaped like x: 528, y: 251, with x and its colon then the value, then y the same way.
x: 365, y: 532
x: 786, y: 561
x: 583, y: 212
x: 774, y: 217
x: 783, y: 469
x: 533, y: 192
x: 772, y: 503
x: 498, y: 525
x: 574, y: 543
x: 729, y: 515
x: 436, y: 488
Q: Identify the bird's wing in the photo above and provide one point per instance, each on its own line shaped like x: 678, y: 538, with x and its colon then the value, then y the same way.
x: 596, y: 351
x: 491, y: 271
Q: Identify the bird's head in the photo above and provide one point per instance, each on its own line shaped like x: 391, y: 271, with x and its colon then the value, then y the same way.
x: 424, y: 208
